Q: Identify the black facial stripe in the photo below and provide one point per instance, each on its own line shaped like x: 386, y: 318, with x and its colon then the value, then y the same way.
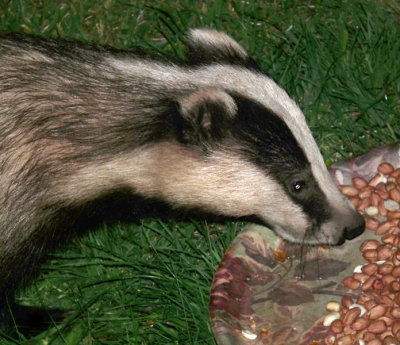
x: 315, y: 205
x: 268, y: 142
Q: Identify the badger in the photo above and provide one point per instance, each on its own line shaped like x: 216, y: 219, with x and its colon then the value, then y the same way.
x: 87, y: 130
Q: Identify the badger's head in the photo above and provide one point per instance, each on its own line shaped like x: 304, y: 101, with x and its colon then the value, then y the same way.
x: 256, y: 153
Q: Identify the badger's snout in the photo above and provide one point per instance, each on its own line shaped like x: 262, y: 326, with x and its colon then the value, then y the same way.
x: 355, y: 228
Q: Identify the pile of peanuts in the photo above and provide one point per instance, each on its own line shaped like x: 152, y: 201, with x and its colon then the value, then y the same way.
x: 374, y: 318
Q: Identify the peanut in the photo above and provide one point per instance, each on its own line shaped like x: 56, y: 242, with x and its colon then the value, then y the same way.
x: 374, y: 342
x: 396, y: 312
x: 368, y: 336
x: 364, y: 203
x: 378, y: 279
x: 391, y: 205
x: 371, y: 223
x: 384, y: 227
x: 396, y: 327
x: 349, y: 191
x: 389, y: 340
x: 385, y: 268
x: 359, y: 182
x: 393, y: 215
x: 347, y: 301
x: 351, y: 316
x: 385, y: 168
x: 351, y: 283
x: 394, y: 194
x: 361, y: 277
x: 378, y: 284
x: 383, y: 194
x: 395, y: 173
x: 360, y: 324
x: 365, y: 193
x: 355, y: 201
x: 396, y: 272
x: 375, y: 199
x: 372, y: 211
x: 387, y: 279
x: 371, y: 255
x: 332, y: 306
x: 378, y: 178
x: 384, y: 252
x: 381, y: 208
x: 370, y: 269
x: 377, y: 326
x: 394, y: 286
x: 330, y: 339
x: 336, y: 326
x: 377, y: 311
x: 369, y: 244
x: 345, y: 340
x: 330, y: 318
x: 390, y: 239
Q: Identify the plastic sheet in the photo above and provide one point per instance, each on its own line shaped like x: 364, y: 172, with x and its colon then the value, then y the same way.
x: 266, y: 291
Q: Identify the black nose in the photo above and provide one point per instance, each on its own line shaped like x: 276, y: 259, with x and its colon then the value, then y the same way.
x: 356, y: 229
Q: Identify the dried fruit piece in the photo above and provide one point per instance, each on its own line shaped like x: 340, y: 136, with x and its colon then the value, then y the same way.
x: 280, y: 255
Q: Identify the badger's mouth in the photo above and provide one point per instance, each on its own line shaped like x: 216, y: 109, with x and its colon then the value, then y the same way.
x: 335, y: 234
x: 316, y: 236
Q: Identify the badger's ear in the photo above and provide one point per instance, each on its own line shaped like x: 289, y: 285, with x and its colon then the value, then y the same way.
x: 205, y: 115
x: 206, y: 46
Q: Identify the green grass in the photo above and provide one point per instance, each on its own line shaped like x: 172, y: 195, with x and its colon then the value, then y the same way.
x: 149, y: 284
x: 144, y: 284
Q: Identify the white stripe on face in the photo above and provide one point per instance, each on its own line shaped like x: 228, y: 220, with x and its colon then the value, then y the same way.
x: 223, y: 183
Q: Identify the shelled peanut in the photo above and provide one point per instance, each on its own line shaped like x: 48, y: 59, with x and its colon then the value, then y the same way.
x: 374, y: 317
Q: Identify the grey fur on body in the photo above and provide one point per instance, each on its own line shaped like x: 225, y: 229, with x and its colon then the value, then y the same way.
x: 79, y: 124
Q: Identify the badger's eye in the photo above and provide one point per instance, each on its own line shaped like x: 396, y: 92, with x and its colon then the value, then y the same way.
x: 298, y: 186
